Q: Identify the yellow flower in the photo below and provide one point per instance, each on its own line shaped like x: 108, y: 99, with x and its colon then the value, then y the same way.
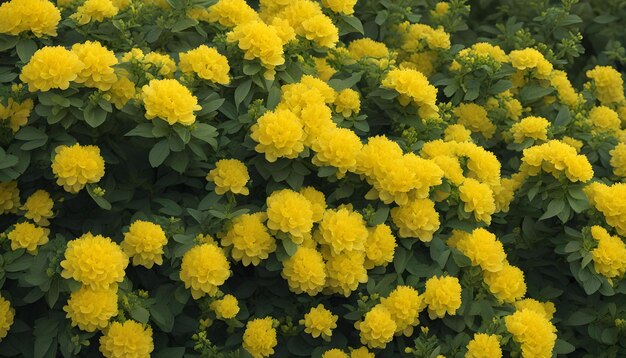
x: 529, y: 59
x: 231, y: 13
x: 317, y: 200
x: 442, y: 295
x: 162, y: 62
x: 40, y: 17
x: 478, y: 199
x: 474, y: 118
x: 533, y: 332
x: 94, y: 11
x: 604, y: 118
x: 566, y: 92
x: 530, y: 127
x: 284, y: 30
x: 608, y: 84
x: 249, y: 239
x: 343, y: 230
x: 308, y: 20
x: 207, y: 63
x: 507, y: 285
x: 99, y: 61
x: 605, y: 199
x: 334, y: 353
x: 377, y: 327
x: 259, y: 338
x: 259, y: 41
x: 345, y: 272
x: 128, y: 339
x: 361, y: 353
x: 9, y: 197
x: 618, y: 159
x: 7, y: 315
x: 417, y: 219
x: 28, y: 236
x: 347, y: 102
x: 144, y: 242
x: 556, y: 157
x: 77, y: 165
x: 289, y: 212
x: 324, y: 70
x: 413, y: 86
x: 279, y: 134
x: 367, y: 47
x: 609, y: 257
x: 345, y: 7
x: 546, y: 309
x: 225, y: 308
x: 38, y: 207
x: 337, y: 147
x: 404, y: 304
x: 484, y: 346
x: 122, y: 91
x: 457, y: 133
x: 170, y: 101
x: 51, y: 67
x: 484, y: 250
x: 16, y: 113
x: 305, y: 271
x: 95, y: 261
x: 204, y: 269
x: 319, y: 322
x: 229, y: 175
x: 441, y: 8
x: 91, y: 309
x: 380, y: 246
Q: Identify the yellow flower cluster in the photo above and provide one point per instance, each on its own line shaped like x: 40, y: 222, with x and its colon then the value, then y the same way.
x: 603, y: 198
x: 98, y: 63
x: 418, y: 218
x: 259, y: 41
x: 290, y: 212
x: 380, y: 246
x: 366, y: 47
x: 38, y: 207
x: 477, y: 198
x: 95, y: 261
x: 337, y: 147
x: 618, y: 160
x: 474, y: 117
x: 169, y: 100
x: 530, y: 59
x: 122, y: 91
x: 343, y: 230
x: 345, y: 7
x: 251, y: 243
x: 16, y: 113
x: 259, y: 338
x: 404, y: 304
x: 534, y: 332
x: 609, y: 257
x: 128, y: 339
x: 40, y: 17
x: 347, y: 102
x: 319, y: 322
x: 482, y: 248
x: 28, y: 236
x: 204, y: 268
x: 279, y: 134
x: 225, y: 308
x: 231, y: 13
x: 305, y: 271
x: 377, y: 327
x: 604, y: 119
x: 484, y: 346
x: 229, y: 175
x: 442, y: 295
x: 546, y: 309
x: 530, y: 127
x: 345, y: 272
x: 565, y: 91
x: 7, y: 315
x: 414, y: 87
x: 94, y: 11
x: 508, y: 284
x: 206, y: 63
x: 608, y: 84
x: 91, y: 309
x: 9, y: 197
x: 144, y: 243
x: 556, y: 157
x: 51, y: 67
x: 76, y: 166
x: 308, y: 21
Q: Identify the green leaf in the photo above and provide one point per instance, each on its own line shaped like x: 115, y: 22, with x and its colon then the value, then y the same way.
x: 31, y: 133
x: 159, y: 153
x: 170, y: 352
x: 289, y: 246
x: 94, y: 116
x: 183, y: 24
x: 532, y: 93
x: 580, y: 318
x: 25, y: 49
x: 142, y: 130
x: 140, y: 314
x: 381, y: 215
x: 242, y: 91
x: 206, y: 133
x: 101, y: 201
x: 354, y: 24
x: 7, y: 42
x: 339, y: 84
x: 555, y: 207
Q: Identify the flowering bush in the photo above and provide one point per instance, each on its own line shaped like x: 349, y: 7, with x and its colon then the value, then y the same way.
x: 304, y: 178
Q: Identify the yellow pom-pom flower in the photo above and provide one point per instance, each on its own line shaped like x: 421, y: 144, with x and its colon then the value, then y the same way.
x: 204, y: 269
x: 305, y: 271
x: 40, y: 17
x: 546, y: 309
x: 413, y: 86
x: 319, y: 322
x: 347, y: 102
x: 229, y: 175
x: 99, y: 61
x: 289, y: 212
x: 530, y: 127
x: 51, y: 67
x: 507, y: 285
x: 207, y: 63
x: 608, y: 84
x: 531, y: 59
x: 377, y: 327
x: 361, y: 353
x: 231, y: 13
x: 91, y: 309
x: 38, y: 207
x: 279, y: 134
x: 334, y: 353
x: 366, y: 47
x: 343, y: 230
x: 76, y: 166
x: 457, y: 133
x: 609, y: 257
x: 250, y: 241
x: 605, y: 119
x: 259, y: 41
x: 535, y: 333
x: 9, y: 197
x: 94, y: 261
x: 122, y: 91
x: 144, y: 243
x: 484, y: 346
x: 618, y: 160
x: 94, y: 11
x: 477, y: 198
x: 442, y: 295
x: 17, y: 113
x: 345, y: 272
x: 259, y: 338
x: 7, y: 315
x: 225, y: 308
x: 603, y: 197
x: 483, y: 249
x: 337, y: 147
x: 317, y: 200
x: 28, y: 236
x: 474, y: 118
x: 170, y: 101
x: 404, y: 304
x: 417, y: 219
x: 380, y: 246
x: 345, y: 7
x: 128, y: 339
x: 163, y: 63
